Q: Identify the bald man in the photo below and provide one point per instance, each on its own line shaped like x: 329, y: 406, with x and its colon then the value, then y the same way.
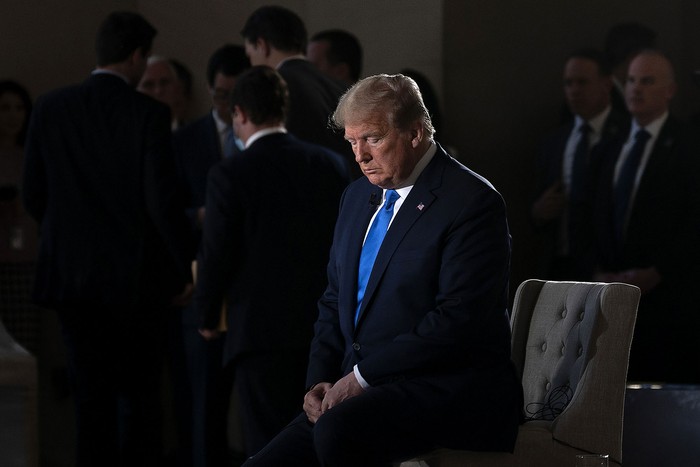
x: 160, y: 81
x: 647, y: 226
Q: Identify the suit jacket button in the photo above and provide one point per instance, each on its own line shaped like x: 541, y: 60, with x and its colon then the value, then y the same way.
x: 356, y: 346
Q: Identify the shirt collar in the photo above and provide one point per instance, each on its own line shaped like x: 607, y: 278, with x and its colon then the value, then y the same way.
x: 105, y: 71
x: 286, y: 59
x: 654, y: 128
x: 264, y: 132
x: 221, y: 126
x: 596, y: 123
x: 420, y: 166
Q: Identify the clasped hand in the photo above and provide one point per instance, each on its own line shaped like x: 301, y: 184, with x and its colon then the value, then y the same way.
x: 325, y: 396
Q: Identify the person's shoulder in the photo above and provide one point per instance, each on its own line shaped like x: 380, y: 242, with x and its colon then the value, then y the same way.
x: 457, y: 177
x: 302, y: 73
x: 322, y: 156
x: 673, y: 125
x: 55, y: 96
x: 195, y: 128
x: 147, y: 101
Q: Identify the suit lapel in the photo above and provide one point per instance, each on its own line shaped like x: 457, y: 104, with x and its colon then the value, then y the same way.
x: 660, y: 156
x: 418, y: 203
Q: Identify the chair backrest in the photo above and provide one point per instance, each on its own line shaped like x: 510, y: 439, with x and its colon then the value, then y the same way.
x: 571, y: 345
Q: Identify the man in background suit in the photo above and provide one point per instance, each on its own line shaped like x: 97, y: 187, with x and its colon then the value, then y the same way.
x: 203, y: 143
x: 568, y: 168
x: 412, y: 350
x: 203, y: 397
x: 647, y: 222
x: 101, y: 181
x: 269, y: 220
x: 276, y: 37
x: 160, y: 81
x: 336, y: 53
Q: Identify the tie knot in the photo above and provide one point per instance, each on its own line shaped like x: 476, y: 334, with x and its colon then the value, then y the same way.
x: 391, y: 197
x: 642, y: 135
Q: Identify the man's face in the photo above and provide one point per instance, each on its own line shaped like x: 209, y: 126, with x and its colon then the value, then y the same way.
x: 317, y: 54
x: 12, y: 114
x: 220, y: 93
x: 386, y: 155
x: 587, y: 91
x: 649, y: 87
x: 159, y: 81
x: 256, y: 52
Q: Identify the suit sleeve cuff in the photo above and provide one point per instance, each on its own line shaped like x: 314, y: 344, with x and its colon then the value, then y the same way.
x: 360, y: 379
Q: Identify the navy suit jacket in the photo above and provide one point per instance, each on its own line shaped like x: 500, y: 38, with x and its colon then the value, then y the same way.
x: 101, y: 181
x: 662, y: 232
x: 549, y: 169
x: 197, y: 149
x: 661, y: 222
x: 313, y: 97
x: 267, y: 233
x: 435, y: 306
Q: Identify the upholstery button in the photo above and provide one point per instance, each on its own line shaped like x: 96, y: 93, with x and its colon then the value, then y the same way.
x: 580, y: 316
x: 355, y: 346
x: 563, y: 348
x: 547, y: 386
x: 580, y: 351
x: 544, y: 347
x: 563, y: 313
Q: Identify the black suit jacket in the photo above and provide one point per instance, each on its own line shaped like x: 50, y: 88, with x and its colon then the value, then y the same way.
x: 663, y: 204
x: 549, y: 169
x: 267, y: 231
x: 435, y: 306
x: 101, y: 180
x: 662, y: 232
x: 197, y: 149
x: 313, y: 97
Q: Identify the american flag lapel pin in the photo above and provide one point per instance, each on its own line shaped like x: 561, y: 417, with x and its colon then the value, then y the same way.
x: 420, y: 206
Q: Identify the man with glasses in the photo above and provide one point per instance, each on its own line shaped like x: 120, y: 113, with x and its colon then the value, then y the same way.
x: 198, y: 147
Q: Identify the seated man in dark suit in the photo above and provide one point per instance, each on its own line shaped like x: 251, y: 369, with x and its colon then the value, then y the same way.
x: 568, y: 168
x: 268, y: 227
x: 411, y: 349
x: 647, y: 223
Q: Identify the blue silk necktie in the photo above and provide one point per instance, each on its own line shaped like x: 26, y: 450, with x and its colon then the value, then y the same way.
x: 229, y: 143
x: 579, y: 170
x: 374, y: 239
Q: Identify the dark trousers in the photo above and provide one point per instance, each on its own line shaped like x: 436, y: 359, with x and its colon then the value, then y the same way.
x: 397, y: 421
x: 207, y: 393
x: 373, y: 429
x: 115, y: 364
x: 271, y: 391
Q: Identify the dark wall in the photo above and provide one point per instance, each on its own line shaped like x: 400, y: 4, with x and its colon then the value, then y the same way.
x: 503, y: 62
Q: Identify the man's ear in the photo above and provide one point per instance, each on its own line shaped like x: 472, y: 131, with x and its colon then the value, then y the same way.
x: 138, y: 55
x: 417, y: 133
x: 264, y: 46
x: 239, y: 113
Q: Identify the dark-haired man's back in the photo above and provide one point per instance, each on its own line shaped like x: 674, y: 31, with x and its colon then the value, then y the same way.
x: 101, y: 181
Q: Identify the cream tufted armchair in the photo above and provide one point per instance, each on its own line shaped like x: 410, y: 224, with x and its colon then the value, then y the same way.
x: 571, y: 343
